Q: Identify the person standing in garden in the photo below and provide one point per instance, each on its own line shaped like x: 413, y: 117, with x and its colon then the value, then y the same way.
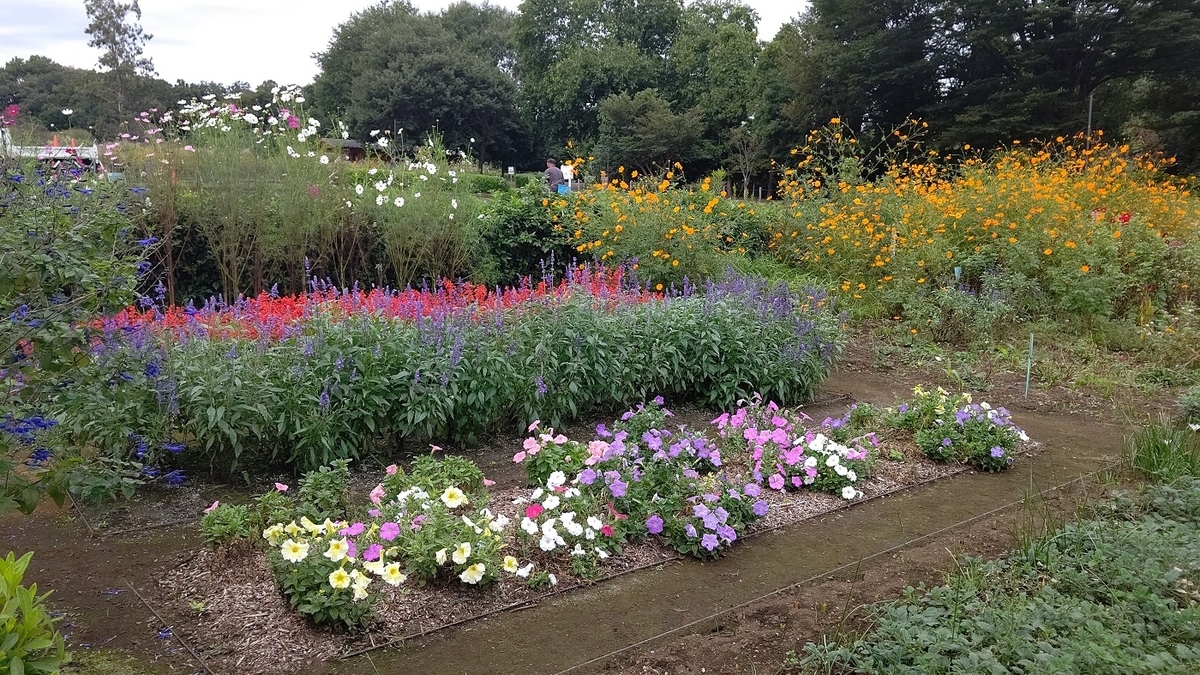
x: 554, y: 175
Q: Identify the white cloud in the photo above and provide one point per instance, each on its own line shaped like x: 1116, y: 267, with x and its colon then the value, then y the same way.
x: 228, y: 40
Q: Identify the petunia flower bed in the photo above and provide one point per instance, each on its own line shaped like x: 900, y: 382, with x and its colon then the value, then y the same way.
x: 440, y: 541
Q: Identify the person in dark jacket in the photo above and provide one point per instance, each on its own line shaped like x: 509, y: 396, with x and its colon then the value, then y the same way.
x: 554, y: 175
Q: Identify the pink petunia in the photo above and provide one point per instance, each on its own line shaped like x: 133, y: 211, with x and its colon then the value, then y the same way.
x: 488, y: 483
x: 213, y: 507
x: 391, y: 470
x: 389, y: 531
x: 281, y: 487
x: 377, y: 494
x: 519, y: 457
x: 533, y: 511
x: 372, y: 553
x: 776, y: 482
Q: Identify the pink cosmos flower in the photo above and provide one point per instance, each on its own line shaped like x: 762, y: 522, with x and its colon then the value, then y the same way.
x: 293, y: 122
x: 213, y: 507
x: 281, y: 487
x: 391, y: 470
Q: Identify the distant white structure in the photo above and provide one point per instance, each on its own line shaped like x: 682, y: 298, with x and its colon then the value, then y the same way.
x: 49, y: 153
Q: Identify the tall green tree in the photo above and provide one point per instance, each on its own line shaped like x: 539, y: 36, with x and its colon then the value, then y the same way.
x: 391, y: 67
x: 114, y: 30
x: 573, y: 54
x: 642, y: 132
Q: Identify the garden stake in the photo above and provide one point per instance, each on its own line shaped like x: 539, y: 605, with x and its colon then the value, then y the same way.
x: 1028, y: 365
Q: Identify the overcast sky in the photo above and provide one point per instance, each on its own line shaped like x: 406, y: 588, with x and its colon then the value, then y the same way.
x: 230, y: 40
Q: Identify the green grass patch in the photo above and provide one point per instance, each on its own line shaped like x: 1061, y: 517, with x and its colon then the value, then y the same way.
x: 1119, y: 594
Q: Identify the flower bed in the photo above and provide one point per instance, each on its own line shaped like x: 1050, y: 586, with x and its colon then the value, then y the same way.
x: 436, y: 545
x: 305, y: 381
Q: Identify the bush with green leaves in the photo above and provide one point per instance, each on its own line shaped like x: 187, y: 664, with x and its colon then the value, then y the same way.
x: 517, y: 236
x: 1164, y: 451
x: 1189, y: 405
x: 225, y: 525
x: 71, y: 251
x: 29, y: 643
x: 433, y: 474
x: 325, y: 491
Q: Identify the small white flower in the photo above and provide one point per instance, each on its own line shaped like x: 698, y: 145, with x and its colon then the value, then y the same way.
x: 416, y: 195
x: 68, y: 112
x: 454, y: 205
x: 551, y: 503
x: 399, y: 201
x: 529, y: 526
x: 524, y: 571
x: 324, y: 159
x: 251, y: 118
x: 358, y: 189
x: 553, y: 580
x: 849, y: 492
x: 379, y: 199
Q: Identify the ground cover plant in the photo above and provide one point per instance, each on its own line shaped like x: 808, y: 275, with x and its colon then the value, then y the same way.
x: 29, y: 641
x: 1111, y: 594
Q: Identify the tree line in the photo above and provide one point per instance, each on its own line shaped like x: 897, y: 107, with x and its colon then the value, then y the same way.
x: 646, y: 83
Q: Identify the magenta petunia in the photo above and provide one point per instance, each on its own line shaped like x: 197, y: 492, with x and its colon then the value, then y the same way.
x: 389, y: 531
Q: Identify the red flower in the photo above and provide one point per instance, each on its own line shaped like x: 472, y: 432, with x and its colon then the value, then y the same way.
x: 533, y: 511
x: 1124, y: 217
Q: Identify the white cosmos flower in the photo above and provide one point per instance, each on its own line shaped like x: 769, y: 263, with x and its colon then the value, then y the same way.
x: 379, y: 200
x: 251, y: 118
x: 380, y: 185
x: 423, y: 177
x: 416, y: 195
x: 524, y: 571
x: 324, y: 159
x: 454, y: 205
x: 383, y: 142
x: 399, y: 201
x: 272, y: 120
x: 451, y: 216
x: 358, y: 189
x: 68, y: 112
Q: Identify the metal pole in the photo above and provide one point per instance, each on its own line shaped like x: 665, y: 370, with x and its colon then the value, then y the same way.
x: 1091, y: 97
x: 1028, y: 365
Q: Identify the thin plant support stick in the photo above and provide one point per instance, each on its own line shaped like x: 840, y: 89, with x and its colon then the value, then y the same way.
x: 1028, y: 365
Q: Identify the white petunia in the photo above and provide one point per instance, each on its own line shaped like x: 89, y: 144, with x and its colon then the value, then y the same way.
x: 551, y: 502
x: 473, y: 574
x: 524, y: 571
x: 849, y: 492
x: 529, y: 526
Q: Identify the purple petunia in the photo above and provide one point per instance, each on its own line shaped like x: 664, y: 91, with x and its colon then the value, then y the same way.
x: 997, y: 452
x: 709, y: 541
x: 372, y: 553
x: 654, y: 524
x: 752, y: 489
x: 760, y: 508
x: 587, y: 476
x: 946, y: 442
x: 776, y: 482
x: 690, y: 531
